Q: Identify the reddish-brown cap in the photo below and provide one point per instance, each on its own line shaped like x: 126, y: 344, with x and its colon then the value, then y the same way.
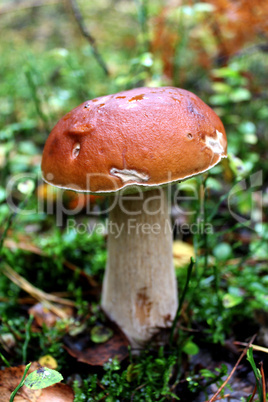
x: 145, y: 137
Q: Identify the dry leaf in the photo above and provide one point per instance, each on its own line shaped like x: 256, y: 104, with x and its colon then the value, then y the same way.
x: 43, y: 315
x: 11, y: 377
x: 182, y: 252
x: 48, y: 361
x: 57, y: 393
x: 95, y: 354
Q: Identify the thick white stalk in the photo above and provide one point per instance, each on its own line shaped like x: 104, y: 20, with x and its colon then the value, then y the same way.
x: 139, y: 288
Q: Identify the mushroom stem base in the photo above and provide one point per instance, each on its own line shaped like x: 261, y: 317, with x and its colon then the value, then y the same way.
x: 139, y: 288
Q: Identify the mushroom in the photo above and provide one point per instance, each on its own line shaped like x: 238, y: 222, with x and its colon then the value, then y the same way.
x: 132, y: 145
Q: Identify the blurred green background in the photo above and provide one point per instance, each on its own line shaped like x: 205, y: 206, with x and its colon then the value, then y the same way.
x: 54, y: 55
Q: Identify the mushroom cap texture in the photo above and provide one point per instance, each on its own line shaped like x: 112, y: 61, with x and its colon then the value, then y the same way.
x: 142, y: 137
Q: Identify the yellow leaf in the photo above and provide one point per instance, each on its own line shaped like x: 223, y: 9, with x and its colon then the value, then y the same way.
x: 48, y: 361
x: 182, y: 252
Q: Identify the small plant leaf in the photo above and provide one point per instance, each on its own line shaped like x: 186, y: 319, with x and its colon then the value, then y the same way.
x: 48, y: 361
x: 230, y: 300
x: 101, y: 334
x: 42, y: 378
x: 256, y: 371
x: 190, y: 348
x: 13, y: 394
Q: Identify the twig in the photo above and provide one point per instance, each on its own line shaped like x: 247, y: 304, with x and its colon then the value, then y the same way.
x: 233, y: 370
x: 254, y: 347
x: 253, y: 393
x: 73, y: 267
x: 30, y: 72
x: 223, y: 397
x: 136, y: 389
x: 31, y: 300
x: 23, y: 245
x: 263, y: 383
x: 85, y: 32
x: 38, y: 294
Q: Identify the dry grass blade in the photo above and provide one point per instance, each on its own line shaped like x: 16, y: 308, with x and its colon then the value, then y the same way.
x: 22, y: 245
x: 214, y: 398
x: 255, y: 347
x: 26, y: 246
x: 73, y: 267
x: 219, y: 398
x: 85, y: 32
x: 263, y: 383
x: 38, y: 294
x: 253, y: 393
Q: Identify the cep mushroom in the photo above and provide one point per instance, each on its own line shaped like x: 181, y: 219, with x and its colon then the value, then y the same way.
x: 136, y: 142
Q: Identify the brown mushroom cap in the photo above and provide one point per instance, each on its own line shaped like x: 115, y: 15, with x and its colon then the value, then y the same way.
x: 144, y: 136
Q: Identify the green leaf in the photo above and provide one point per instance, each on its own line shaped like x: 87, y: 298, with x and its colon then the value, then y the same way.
x: 2, y: 194
x: 250, y: 358
x: 219, y: 99
x: 240, y: 94
x: 190, y: 348
x: 247, y: 127
x: 42, y: 378
x: 146, y: 59
x: 230, y: 300
x: 26, y: 187
x: 101, y: 334
x: 221, y: 87
x: 222, y: 251
x: 237, y: 166
x: 256, y: 372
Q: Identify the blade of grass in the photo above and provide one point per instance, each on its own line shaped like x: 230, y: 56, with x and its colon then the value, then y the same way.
x: 4, y: 360
x: 43, y: 297
x: 27, y: 338
x: 214, y: 397
x: 12, y: 396
x: 10, y: 220
x: 256, y: 372
x: 30, y: 77
x: 85, y: 32
x: 7, y: 227
x: 181, y: 300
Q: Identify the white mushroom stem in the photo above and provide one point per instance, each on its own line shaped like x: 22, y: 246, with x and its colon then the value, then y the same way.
x: 139, y: 288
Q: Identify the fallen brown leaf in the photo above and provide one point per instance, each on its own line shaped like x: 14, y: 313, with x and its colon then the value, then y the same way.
x: 95, y: 354
x: 10, y: 377
x: 57, y: 393
x: 43, y: 315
